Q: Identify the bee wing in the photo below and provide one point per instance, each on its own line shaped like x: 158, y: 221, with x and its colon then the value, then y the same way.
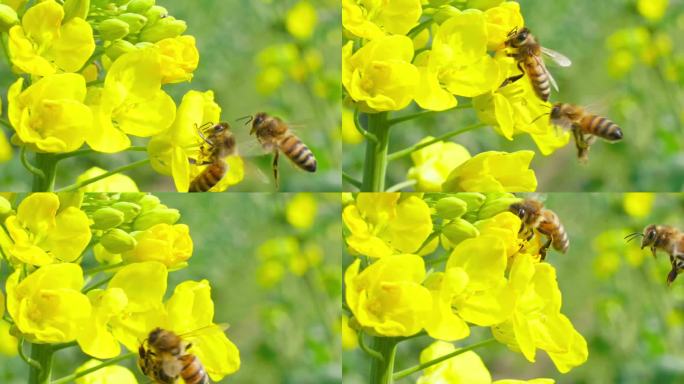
x: 558, y: 58
x: 221, y: 327
x: 552, y: 80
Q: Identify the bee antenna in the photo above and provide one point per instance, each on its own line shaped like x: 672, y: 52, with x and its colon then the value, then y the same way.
x: 633, y: 236
x: 539, y: 117
x: 248, y: 119
x: 546, y: 106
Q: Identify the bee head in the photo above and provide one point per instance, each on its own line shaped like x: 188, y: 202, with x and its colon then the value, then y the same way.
x: 519, y: 210
x: 556, y: 111
x: 650, y: 236
x: 220, y: 127
x: 153, y: 337
x: 522, y: 35
x: 259, y: 119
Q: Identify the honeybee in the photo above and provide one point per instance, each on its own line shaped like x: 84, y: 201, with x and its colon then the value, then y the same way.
x: 217, y: 144
x: 164, y: 357
x: 585, y: 127
x: 274, y: 135
x: 666, y: 238
x: 528, y: 53
x: 534, y: 216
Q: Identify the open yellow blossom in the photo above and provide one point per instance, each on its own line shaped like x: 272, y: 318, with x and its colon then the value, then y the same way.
x: 370, y: 19
x: 464, y: 368
x: 381, y: 224
x: 536, y: 321
x: 106, y: 375
x: 387, y: 297
x: 50, y: 115
x: 380, y: 76
x: 114, y: 183
x: 494, y: 172
x: 301, y: 20
x: 434, y: 163
x: 95, y: 338
x: 42, y: 45
x: 43, y: 234
x: 170, y: 245
x: 501, y: 20
x: 130, y: 103
x: 47, y: 306
x: 179, y: 59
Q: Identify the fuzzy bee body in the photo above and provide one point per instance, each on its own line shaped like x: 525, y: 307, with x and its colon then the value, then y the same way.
x: 220, y: 143
x: 585, y: 127
x: 163, y: 357
x: 534, y: 216
x: 665, y: 238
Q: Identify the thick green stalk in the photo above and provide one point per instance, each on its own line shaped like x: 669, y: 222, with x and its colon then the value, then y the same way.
x: 375, y: 165
x: 47, y: 163
x: 382, y: 369
x: 41, y: 353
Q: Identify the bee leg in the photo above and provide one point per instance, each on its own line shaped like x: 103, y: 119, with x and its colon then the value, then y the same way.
x: 653, y: 251
x: 276, y: 154
x: 544, y: 248
x: 513, y: 79
x: 672, y: 275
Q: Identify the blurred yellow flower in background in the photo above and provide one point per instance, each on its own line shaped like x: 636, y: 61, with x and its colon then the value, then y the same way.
x: 371, y: 19
x: 638, y: 204
x: 301, y: 211
x: 350, y: 135
x: 8, y: 343
x: 301, y: 20
x: 350, y: 339
x: 652, y: 10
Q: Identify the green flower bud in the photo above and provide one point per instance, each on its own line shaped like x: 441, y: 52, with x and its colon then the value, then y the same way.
x: 8, y: 18
x: 135, y: 21
x: 445, y: 13
x: 106, y: 218
x: 156, y: 216
x: 130, y: 210
x: 483, y: 5
x: 118, y: 48
x: 149, y: 202
x: 70, y: 199
x: 451, y: 207
x: 459, y: 230
x: 113, y: 29
x: 132, y: 197
x: 117, y: 241
x: 473, y: 199
x: 438, y: 3
x: 163, y: 29
x: 5, y: 207
x: 76, y: 8
x: 155, y: 13
x: 139, y: 6
x: 493, y: 207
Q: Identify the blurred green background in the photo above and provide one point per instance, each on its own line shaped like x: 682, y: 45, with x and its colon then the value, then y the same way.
x: 253, y: 64
x: 625, y: 66
x: 285, y: 325
x: 614, y: 293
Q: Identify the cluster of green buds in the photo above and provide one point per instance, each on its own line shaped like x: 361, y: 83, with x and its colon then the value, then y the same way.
x: 124, y: 26
x: 461, y: 211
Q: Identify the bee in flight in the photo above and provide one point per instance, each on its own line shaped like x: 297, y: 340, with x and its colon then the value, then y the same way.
x: 164, y: 357
x: 665, y: 238
x: 534, y: 216
x: 585, y: 127
x: 274, y: 135
x: 527, y: 52
x: 218, y: 143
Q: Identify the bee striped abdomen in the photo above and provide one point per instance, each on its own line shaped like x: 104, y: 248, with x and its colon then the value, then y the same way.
x: 209, y: 177
x: 193, y: 372
x: 298, y: 152
x: 552, y: 226
x: 601, y: 127
x: 539, y: 77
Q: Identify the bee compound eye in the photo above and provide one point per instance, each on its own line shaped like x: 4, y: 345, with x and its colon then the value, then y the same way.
x: 521, y: 213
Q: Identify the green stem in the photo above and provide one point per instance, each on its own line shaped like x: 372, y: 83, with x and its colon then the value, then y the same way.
x: 419, y: 28
x: 382, y: 369
x: 47, y: 163
x: 102, y: 268
x: 375, y: 165
x: 37, y: 173
x: 420, y: 367
x: 351, y: 180
x: 371, y: 352
x: 5, y: 122
x: 125, y: 168
x: 98, y: 284
x: 74, y: 376
x: 5, y: 50
x: 42, y: 354
x: 407, y: 151
x: 369, y: 136
x: 420, y: 114
x: 398, y: 187
x: 85, y: 152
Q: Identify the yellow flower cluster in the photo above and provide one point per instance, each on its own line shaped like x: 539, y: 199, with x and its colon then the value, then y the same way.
x: 491, y: 277
x: 51, y: 298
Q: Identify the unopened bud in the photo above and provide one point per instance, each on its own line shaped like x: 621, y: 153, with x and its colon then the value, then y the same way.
x: 106, y: 218
x: 483, y: 5
x: 76, y: 8
x: 5, y: 207
x: 118, y: 241
x: 139, y: 6
x: 493, y: 207
x: 451, y: 207
x: 113, y: 29
x: 473, y: 199
x: 445, y: 13
x: 459, y: 230
x: 163, y: 29
x: 135, y: 21
x: 155, y: 13
x: 149, y: 202
x: 129, y: 210
x: 118, y: 48
x: 132, y: 197
x: 8, y: 18
x: 156, y: 216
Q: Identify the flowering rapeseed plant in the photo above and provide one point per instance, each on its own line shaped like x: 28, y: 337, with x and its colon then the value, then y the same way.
x: 465, y: 264
x: 56, y: 298
x: 437, y: 54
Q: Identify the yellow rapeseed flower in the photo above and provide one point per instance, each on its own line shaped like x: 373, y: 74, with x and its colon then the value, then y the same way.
x: 494, y: 172
x: 42, y: 234
x: 350, y: 135
x: 15, y: 4
x: 350, y: 339
x: 652, y: 10
x: 130, y: 103
x: 114, y: 183
x: 96, y: 338
x: 170, y: 245
x: 106, y: 375
x: 50, y: 115
x: 8, y: 343
x: 467, y: 367
x: 371, y: 19
x: 638, y: 204
x: 380, y: 224
x: 380, y: 76
x: 433, y: 164
x: 47, y: 306
x: 42, y: 45
x: 387, y: 297
x: 301, y: 20
x: 501, y: 20
x: 300, y: 211
x: 179, y: 59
